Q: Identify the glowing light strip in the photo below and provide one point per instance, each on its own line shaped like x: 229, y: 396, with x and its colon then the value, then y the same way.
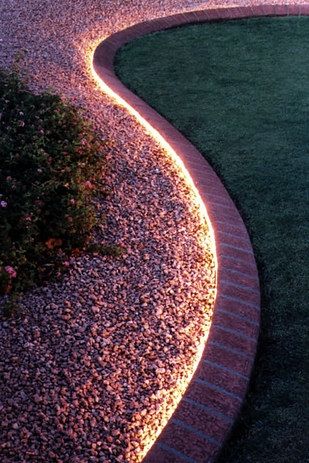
x: 182, y: 170
x: 167, y: 148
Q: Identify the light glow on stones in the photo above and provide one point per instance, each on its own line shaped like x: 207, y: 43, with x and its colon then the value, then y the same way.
x: 147, y: 436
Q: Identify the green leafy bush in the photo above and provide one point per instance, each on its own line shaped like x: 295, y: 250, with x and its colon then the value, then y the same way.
x: 50, y: 165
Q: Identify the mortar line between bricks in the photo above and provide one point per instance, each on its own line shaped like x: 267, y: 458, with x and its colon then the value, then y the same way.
x: 225, y: 206
x: 227, y: 369
x: 241, y: 274
x: 238, y: 317
x: 196, y: 16
x: 196, y: 431
x: 175, y: 452
x: 232, y: 350
x: 247, y: 288
x: 210, y: 410
x: 216, y: 388
x: 227, y: 222
x: 237, y: 248
x: 250, y: 305
x: 238, y: 333
x: 225, y: 202
x: 233, y: 235
x: 239, y: 260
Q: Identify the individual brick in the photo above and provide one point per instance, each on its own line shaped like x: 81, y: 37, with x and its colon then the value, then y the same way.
x: 205, y: 395
x: 224, y: 378
x: 191, y: 444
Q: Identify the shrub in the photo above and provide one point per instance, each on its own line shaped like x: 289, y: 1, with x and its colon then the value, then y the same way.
x: 50, y: 166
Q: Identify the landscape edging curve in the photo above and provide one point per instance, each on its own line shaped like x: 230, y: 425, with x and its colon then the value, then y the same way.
x: 205, y: 415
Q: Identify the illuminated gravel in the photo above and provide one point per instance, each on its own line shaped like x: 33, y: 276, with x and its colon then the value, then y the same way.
x: 87, y: 375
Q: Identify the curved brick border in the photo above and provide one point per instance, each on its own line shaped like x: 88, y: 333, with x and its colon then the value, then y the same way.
x: 204, y: 417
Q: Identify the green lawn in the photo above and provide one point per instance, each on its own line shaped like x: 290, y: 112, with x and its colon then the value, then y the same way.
x: 239, y: 91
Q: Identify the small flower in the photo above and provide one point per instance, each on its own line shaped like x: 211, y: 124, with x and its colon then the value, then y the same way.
x: 52, y: 243
x: 72, y: 201
x: 88, y: 185
x: 11, y: 271
x: 21, y: 123
x: 3, y: 203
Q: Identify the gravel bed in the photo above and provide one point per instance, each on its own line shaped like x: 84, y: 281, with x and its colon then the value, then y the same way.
x: 95, y: 364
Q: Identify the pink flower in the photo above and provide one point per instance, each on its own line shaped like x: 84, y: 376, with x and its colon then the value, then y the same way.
x: 3, y: 203
x: 52, y: 243
x: 11, y: 271
x: 88, y: 185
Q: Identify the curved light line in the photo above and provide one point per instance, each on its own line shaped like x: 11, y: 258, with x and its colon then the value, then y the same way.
x: 182, y: 171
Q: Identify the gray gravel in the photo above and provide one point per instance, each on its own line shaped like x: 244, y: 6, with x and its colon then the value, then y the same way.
x: 91, y: 370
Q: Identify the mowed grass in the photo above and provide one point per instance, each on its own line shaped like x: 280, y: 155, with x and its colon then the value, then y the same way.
x: 239, y: 90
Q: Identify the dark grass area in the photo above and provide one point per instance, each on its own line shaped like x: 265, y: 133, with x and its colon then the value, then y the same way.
x: 239, y: 91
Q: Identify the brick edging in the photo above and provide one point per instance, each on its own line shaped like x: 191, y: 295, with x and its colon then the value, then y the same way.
x: 204, y: 417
